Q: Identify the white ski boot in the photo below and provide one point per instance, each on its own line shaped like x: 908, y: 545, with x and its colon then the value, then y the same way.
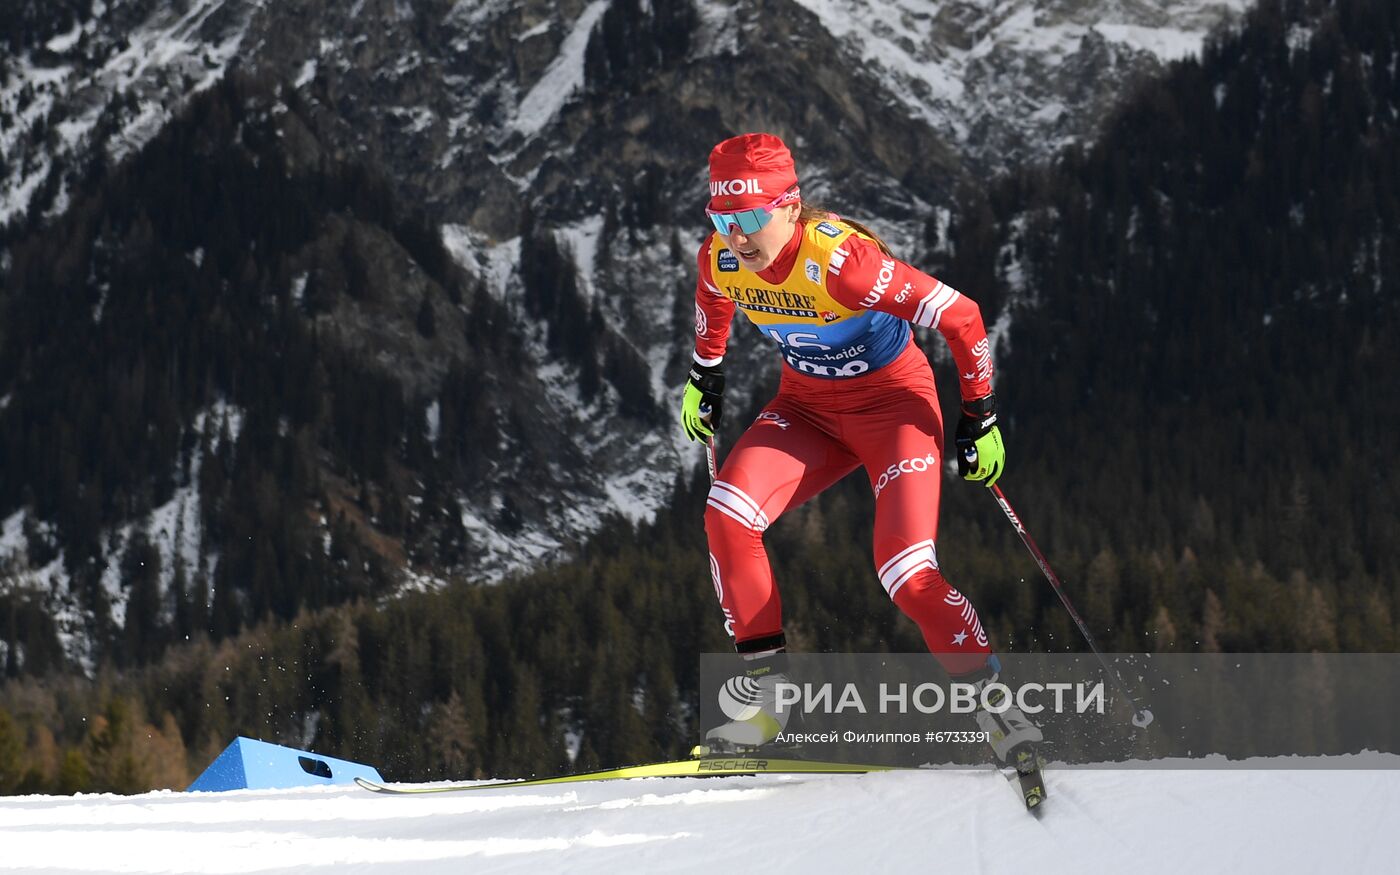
x: 749, y: 701
x: 1011, y: 734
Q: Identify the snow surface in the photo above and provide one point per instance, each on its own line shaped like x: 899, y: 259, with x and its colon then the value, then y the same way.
x: 581, y: 239
x: 1266, y: 820
x: 493, y: 262
x: 563, y: 76
x: 12, y: 539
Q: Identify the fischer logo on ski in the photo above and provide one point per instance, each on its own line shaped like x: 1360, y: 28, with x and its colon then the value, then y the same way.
x: 712, y: 765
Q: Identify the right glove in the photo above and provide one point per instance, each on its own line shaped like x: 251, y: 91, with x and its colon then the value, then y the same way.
x: 704, y: 401
x: 981, y: 456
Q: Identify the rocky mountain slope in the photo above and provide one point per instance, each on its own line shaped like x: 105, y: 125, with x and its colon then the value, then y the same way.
x: 560, y: 150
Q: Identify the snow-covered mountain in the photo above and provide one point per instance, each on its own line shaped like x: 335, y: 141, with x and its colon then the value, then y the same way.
x: 442, y: 83
x: 1273, y: 816
x: 594, y: 119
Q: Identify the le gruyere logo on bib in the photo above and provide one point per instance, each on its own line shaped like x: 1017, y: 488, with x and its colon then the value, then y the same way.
x: 779, y: 303
x: 728, y: 261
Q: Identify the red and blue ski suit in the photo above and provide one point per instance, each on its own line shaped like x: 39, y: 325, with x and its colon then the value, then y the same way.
x: 856, y: 390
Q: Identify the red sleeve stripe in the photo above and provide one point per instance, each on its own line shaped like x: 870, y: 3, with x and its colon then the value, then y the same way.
x: 932, y: 306
x: 838, y: 258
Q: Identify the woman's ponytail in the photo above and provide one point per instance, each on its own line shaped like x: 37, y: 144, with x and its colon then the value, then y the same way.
x: 814, y: 213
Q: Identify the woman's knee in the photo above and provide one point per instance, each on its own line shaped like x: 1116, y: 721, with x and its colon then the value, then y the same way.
x: 731, y: 513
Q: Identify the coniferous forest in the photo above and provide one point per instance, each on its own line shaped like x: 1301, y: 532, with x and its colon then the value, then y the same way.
x: 1197, y: 395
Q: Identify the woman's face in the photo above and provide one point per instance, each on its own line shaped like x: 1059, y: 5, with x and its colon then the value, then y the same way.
x: 756, y: 251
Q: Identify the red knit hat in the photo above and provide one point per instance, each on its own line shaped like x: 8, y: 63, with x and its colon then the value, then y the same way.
x: 749, y: 171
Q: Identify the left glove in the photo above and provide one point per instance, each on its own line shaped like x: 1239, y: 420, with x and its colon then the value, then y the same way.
x: 981, y: 456
x: 704, y: 401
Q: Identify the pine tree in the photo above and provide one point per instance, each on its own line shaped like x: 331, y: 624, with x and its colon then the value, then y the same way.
x: 74, y: 774
x: 450, y: 741
x: 11, y: 755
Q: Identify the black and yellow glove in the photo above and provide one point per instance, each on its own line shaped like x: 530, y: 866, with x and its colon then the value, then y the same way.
x: 703, y: 402
x: 981, y: 456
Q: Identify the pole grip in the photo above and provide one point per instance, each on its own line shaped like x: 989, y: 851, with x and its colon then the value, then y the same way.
x: 710, y: 460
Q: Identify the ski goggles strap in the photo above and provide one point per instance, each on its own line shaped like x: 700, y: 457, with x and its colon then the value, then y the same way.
x: 754, y: 219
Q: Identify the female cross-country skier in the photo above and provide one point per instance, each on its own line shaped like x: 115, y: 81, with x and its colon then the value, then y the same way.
x: 856, y: 390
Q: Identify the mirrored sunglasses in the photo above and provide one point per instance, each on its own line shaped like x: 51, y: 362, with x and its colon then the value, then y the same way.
x: 750, y: 221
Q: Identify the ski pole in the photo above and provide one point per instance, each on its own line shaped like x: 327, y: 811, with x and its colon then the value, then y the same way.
x: 1141, y: 716
x: 709, y: 446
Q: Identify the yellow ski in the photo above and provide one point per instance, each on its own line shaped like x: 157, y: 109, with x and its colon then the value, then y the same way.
x: 707, y: 766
